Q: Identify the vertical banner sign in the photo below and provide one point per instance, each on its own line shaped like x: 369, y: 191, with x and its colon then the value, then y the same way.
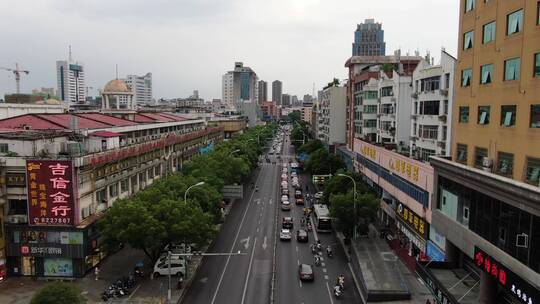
x: 50, y: 190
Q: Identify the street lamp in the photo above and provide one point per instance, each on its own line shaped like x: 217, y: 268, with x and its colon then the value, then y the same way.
x: 196, y: 185
x: 354, y: 200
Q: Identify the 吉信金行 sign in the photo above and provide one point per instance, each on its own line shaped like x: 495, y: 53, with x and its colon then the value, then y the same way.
x: 50, y: 192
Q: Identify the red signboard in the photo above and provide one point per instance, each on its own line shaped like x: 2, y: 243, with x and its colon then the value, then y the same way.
x: 51, y: 195
x: 513, y: 283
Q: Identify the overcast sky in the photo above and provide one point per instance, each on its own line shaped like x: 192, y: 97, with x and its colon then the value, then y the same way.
x: 190, y: 44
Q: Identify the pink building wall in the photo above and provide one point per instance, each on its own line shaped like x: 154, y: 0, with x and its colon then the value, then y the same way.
x: 415, y: 172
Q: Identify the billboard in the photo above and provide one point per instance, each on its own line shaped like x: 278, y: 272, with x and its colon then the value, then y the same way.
x: 50, y: 189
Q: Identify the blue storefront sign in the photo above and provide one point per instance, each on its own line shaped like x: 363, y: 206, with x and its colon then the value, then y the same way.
x: 207, y: 149
x: 434, y: 253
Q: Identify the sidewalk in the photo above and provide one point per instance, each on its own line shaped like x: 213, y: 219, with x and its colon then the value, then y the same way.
x: 380, y: 274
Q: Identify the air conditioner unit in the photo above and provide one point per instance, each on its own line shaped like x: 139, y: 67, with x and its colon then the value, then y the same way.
x: 85, y: 212
x: 487, y: 164
x: 444, y: 92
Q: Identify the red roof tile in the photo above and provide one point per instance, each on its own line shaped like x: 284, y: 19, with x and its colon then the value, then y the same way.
x: 107, y: 119
x: 173, y: 116
x: 30, y: 121
x: 64, y: 120
x: 142, y: 118
x: 157, y: 117
x: 105, y: 134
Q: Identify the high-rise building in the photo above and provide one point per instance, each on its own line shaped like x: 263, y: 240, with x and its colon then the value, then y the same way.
x: 285, y: 100
x: 369, y: 39
x: 239, y: 85
x: 70, y: 79
x: 263, y: 91
x: 487, y: 198
x: 294, y: 101
x: 141, y: 86
x: 277, y: 91
x: 331, y: 121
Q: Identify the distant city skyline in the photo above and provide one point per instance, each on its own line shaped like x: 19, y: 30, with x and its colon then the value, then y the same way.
x: 323, y: 30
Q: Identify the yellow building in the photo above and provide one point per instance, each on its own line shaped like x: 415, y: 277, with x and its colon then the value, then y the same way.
x: 487, y: 199
x: 497, y: 97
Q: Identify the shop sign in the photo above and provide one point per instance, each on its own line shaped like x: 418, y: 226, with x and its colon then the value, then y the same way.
x: 434, y: 253
x: 50, y: 190
x: 412, y: 237
x: 15, y: 179
x: 413, y: 220
x: 525, y: 292
x: 405, y: 168
x: 58, y: 267
x: 368, y: 151
x: 37, y: 250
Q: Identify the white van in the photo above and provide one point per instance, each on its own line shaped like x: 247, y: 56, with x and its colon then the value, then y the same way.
x: 178, y: 267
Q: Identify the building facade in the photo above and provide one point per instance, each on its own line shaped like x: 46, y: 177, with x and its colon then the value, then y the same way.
x: 331, y: 118
x: 141, y: 86
x: 277, y: 91
x: 240, y: 85
x: 433, y: 96
x: 487, y: 196
x: 369, y: 39
x: 263, y: 91
x: 71, y: 82
x: 285, y: 100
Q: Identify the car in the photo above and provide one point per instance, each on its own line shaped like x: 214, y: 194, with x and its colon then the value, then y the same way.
x: 298, y: 193
x: 284, y: 176
x: 285, y: 206
x: 285, y: 191
x: 305, y: 272
x: 284, y: 184
x: 284, y: 198
x: 285, y: 235
x: 299, y: 201
x: 318, y: 195
x: 178, y: 267
x: 163, y: 258
x: 302, y: 236
x: 287, y: 222
x: 294, y: 174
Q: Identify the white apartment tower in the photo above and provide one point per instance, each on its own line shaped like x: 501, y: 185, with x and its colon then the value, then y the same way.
x: 141, y: 86
x: 433, y: 95
x: 70, y: 79
x: 239, y: 86
x: 331, y: 116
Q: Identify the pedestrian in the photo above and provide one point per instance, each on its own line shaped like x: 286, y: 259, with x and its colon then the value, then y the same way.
x: 96, y: 273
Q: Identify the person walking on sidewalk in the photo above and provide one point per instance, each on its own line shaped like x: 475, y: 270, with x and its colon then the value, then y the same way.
x: 96, y: 273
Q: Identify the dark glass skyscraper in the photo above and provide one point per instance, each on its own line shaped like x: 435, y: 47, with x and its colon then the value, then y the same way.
x: 369, y: 39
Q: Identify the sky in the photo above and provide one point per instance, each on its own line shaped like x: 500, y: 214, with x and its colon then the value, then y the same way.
x: 189, y: 44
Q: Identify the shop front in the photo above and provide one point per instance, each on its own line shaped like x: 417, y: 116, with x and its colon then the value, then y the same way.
x: 51, y: 252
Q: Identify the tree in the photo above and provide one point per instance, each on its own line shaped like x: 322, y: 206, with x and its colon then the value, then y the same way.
x: 342, y: 208
x: 310, y: 146
x: 340, y: 184
x: 322, y: 162
x: 294, y: 116
x: 58, y: 293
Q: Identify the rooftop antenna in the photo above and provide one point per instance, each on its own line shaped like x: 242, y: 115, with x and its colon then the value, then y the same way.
x: 69, y: 57
x: 117, y: 71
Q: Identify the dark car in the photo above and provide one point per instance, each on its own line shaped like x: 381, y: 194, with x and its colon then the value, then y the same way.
x: 287, y: 222
x: 302, y: 236
x: 299, y: 201
x: 305, y: 272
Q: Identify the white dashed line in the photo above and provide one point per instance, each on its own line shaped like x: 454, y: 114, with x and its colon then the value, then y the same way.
x: 324, y: 270
x: 326, y: 277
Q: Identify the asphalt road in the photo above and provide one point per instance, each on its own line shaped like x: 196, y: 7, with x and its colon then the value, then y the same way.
x: 260, y: 275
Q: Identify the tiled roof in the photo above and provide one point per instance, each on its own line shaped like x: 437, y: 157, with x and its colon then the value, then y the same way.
x: 64, y: 120
x: 29, y: 121
x: 110, y: 120
x: 105, y: 134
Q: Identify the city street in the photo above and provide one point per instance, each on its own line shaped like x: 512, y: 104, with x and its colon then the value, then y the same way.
x: 251, y: 228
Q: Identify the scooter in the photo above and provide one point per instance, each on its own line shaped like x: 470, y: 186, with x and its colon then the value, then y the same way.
x: 337, y: 291
x: 329, y: 252
x: 317, y: 261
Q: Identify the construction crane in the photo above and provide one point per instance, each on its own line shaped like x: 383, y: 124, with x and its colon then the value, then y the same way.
x: 17, y: 73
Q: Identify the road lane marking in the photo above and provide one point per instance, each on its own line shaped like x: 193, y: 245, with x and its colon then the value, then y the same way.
x: 324, y: 270
x: 234, y: 242
x: 249, y: 270
x: 298, y: 262
x: 322, y: 264
x: 326, y: 277
x: 134, y: 291
x: 296, y: 248
x: 329, y: 293
x: 257, y: 229
x: 300, y: 281
x: 264, y: 245
x: 245, y: 242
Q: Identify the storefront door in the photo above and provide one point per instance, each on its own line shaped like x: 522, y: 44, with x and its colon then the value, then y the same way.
x: 28, y: 266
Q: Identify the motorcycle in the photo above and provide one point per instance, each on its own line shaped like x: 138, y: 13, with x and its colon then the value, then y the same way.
x: 329, y: 252
x: 313, y: 248
x: 317, y: 261
x: 337, y: 291
x: 309, y: 227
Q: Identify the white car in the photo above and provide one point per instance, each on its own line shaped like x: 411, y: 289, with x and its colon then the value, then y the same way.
x: 284, y: 176
x: 178, y: 267
x: 293, y: 174
x: 285, y: 206
x: 285, y: 191
x: 319, y: 195
x: 284, y: 184
x: 284, y: 198
x: 174, y: 258
x: 285, y: 235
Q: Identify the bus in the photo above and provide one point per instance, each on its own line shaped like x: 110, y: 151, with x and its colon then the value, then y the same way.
x: 323, y: 221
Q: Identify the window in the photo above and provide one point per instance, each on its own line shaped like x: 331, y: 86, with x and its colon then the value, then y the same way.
x: 124, y: 185
x: 535, y: 116
x: 537, y: 64
x: 483, y: 115
x: 505, y: 163
x: 469, y: 5
x: 430, y: 84
x: 538, y: 13
x: 466, y: 76
x: 511, y: 69
x: 487, y: 73
x: 468, y: 40
x: 387, y: 91
x: 463, y: 114
x: 533, y: 170
x: 429, y: 107
x: 508, y: 116
x: 370, y: 109
x: 514, y: 22
x: 489, y: 32
x: 447, y: 81
x: 370, y: 123
x: 101, y: 196
x: 461, y: 153
x: 479, y: 155
x: 428, y: 132
x: 4, y: 148
x: 113, y: 190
